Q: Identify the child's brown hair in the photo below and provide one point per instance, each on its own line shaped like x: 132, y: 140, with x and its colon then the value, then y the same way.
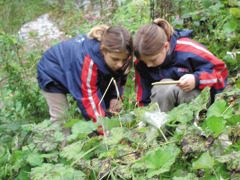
x: 150, y: 38
x: 114, y: 39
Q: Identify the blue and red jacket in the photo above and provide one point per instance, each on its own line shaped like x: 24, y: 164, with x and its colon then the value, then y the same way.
x: 77, y: 66
x: 186, y: 57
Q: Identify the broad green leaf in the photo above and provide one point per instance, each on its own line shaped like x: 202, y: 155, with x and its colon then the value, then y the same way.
x: 217, y: 109
x: 161, y: 160
x: 204, y: 162
x: 109, y: 123
x: 73, y: 151
x: 200, y: 102
x: 229, y: 27
x: 116, y: 134
x: 234, y: 120
x: 182, y: 114
x: 116, y: 121
x: 51, y: 156
x: 215, y: 124
x: 35, y: 159
x: 235, y: 12
x: 55, y: 172
x: 189, y: 176
x: 84, y: 127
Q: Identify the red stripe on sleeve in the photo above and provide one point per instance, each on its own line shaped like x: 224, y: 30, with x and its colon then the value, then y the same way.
x: 138, y: 86
x: 94, y: 91
x: 84, y: 77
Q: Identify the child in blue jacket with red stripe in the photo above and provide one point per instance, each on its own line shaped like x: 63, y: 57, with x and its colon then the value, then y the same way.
x: 83, y: 66
x: 165, y: 54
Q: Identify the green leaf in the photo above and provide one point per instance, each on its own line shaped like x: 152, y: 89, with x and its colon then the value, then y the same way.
x: 109, y: 123
x: 73, y: 151
x: 35, y: 159
x: 229, y: 27
x: 235, y: 12
x: 217, y: 109
x: 215, y: 124
x: 116, y: 134
x: 200, y: 102
x: 204, y: 162
x: 84, y: 127
x: 161, y: 160
x: 182, y: 114
x: 233, y: 120
x: 55, y: 172
x: 71, y: 123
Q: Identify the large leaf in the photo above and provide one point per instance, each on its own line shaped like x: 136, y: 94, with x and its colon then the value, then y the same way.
x: 215, y: 124
x: 200, y: 102
x: 229, y: 27
x: 161, y: 160
x: 46, y: 135
x: 116, y: 134
x: 73, y: 151
x: 116, y: 121
x: 84, y: 127
x: 217, y: 109
x: 192, y: 142
x: 55, y: 172
x: 235, y: 12
x: 109, y: 123
x: 182, y: 114
x: 204, y: 162
x: 234, y: 120
x: 35, y: 159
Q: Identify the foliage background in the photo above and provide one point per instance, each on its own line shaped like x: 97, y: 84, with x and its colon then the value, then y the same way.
x: 30, y: 147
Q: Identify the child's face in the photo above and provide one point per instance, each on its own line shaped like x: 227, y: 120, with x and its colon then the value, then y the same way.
x: 158, y: 59
x: 115, y: 60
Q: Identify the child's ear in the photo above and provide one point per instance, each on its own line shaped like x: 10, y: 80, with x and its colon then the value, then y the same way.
x: 167, y: 46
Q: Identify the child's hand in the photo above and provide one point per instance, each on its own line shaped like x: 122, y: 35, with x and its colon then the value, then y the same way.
x: 188, y: 82
x: 115, y: 106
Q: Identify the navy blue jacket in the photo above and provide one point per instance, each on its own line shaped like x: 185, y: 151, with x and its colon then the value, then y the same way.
x: 77, y: 66
x: 186, y: 57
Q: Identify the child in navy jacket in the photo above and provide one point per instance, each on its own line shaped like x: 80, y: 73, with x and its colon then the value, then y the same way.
x: 165, y: 54
x: 83, y: 66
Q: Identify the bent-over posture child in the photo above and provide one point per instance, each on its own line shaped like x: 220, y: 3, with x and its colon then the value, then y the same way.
x: 83, y: 66
x: 165, y: 54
